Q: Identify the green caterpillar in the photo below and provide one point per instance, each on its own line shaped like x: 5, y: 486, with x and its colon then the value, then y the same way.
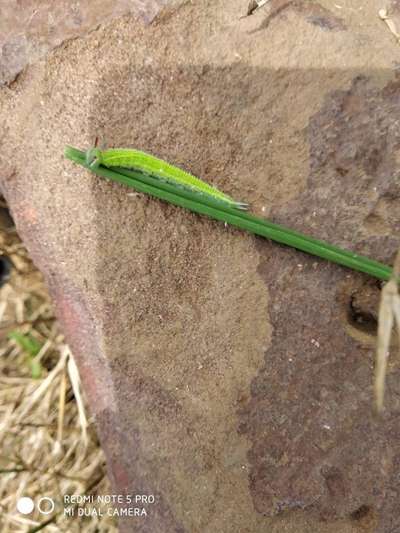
x: 156, y: 168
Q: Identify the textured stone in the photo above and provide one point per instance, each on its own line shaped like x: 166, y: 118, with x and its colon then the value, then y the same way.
x: 228, y: 375
x: 31, y: 28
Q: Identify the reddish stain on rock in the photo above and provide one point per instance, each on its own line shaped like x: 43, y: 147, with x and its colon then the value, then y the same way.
x: 80, y: 327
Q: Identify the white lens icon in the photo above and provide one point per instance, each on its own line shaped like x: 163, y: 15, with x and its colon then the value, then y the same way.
x: 25, y: 505
x: 45, y: 508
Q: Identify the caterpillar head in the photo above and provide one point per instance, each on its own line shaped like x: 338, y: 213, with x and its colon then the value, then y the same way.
x: 93, y: 157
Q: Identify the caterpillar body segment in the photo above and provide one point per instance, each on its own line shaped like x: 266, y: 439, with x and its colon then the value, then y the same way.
x: 156, y: 168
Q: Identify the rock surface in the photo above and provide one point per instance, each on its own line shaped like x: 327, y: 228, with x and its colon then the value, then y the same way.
x: 31, y: 28
x: 228, y: 375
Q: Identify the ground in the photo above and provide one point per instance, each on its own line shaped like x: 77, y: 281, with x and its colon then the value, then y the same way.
x: 47, y: 449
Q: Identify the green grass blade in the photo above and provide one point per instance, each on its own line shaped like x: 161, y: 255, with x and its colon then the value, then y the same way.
x: 207, y: 206
x: 28, y: 343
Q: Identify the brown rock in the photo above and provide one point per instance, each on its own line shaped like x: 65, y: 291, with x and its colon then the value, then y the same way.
x: 228, y: 375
